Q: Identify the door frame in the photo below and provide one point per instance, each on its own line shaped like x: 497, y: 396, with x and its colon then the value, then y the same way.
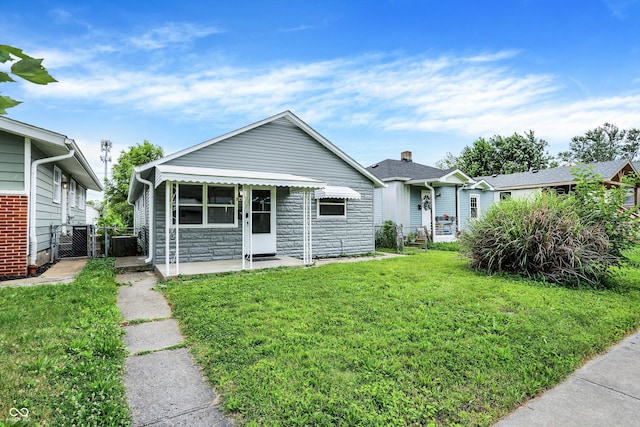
x: 265, y: 243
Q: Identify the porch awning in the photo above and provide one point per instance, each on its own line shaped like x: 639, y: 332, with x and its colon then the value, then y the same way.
x: 333, y: 192
x: 232, y: 176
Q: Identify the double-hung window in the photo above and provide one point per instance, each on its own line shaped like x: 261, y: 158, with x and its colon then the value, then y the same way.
x: 221, y: 205
x: 57, y: 185
x: 208, y: 205
x: 72, y: 193
x: 82, y: 198
x: 474, y: 206
x: 332, y: 207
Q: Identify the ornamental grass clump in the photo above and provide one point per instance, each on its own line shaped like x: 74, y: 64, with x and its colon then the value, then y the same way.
x: 541, y: 237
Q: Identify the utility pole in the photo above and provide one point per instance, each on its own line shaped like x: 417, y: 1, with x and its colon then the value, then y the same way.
x: 105, y: 156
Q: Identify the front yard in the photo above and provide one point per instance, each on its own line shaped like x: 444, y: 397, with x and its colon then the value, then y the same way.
x: 416, y: 340
x: 61, y: 353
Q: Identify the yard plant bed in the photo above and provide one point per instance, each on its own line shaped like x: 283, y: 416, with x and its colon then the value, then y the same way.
x: 61, y: 352
x: 416, y: 340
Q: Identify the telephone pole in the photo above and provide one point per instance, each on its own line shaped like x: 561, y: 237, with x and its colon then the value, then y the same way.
x: 105, y: 156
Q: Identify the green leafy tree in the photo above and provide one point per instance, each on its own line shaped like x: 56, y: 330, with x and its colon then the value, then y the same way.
x: 119, y: 211
x: 602, y: 144
x: 499, y: 154
x: 22, y: 66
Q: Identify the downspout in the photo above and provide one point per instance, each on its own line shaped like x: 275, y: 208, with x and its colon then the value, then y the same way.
x: 458, y: 188
x: 151, y: 218
x: 433, y: 211
x: 33, y: 237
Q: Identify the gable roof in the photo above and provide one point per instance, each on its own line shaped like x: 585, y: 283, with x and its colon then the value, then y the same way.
x: 410, y: 171
x: 389, y: 169
x: 54, y: 144
x: 288, y: 115
x: 556, y: 176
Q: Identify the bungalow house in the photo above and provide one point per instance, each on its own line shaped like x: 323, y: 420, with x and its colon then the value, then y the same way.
x: 560, y: 179
x: 425, y: 199
x: 275, y: 187
x: 43, y: 182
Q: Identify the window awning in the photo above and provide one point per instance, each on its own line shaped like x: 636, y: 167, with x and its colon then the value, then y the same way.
x: 232, y: 176
x: 333, y: 192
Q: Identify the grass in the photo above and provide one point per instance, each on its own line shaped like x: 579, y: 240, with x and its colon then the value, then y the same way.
x: 62, y: 356
x: 418, y: 340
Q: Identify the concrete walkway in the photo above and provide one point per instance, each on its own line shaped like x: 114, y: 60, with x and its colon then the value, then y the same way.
x: 163, y: 385
x: 604, y: 392
x: 64, y: 271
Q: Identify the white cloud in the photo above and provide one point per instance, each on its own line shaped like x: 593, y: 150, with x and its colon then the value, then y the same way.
x: 171, y: 33
x: 473, y: 95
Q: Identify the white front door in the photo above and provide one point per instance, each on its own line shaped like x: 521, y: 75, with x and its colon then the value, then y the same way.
x: 263, y: 221
x: 425, y: 200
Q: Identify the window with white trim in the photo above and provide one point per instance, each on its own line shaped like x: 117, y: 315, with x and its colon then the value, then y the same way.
x: 210, y: 205
x: 57, y: 185
x: 82, y: 198
x: 332, y: 208
x: 72, y: 193
x: 474, y: 206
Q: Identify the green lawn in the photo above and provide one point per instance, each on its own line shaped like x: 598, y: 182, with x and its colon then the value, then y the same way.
x: 416, y: 340
x: 61, y: 352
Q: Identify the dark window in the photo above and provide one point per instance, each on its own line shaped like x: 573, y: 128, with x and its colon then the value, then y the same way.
x: 332, y: 207
x: 261, y: 211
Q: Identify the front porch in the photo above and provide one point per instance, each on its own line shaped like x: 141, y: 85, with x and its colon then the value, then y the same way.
x: 224, y: 266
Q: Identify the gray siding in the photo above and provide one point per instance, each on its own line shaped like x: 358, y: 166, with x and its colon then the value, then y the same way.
x: 279, y: 147
x: 414, y: 212
x: 11, y: 162
x: 283, y: 148
x: 49, y: 213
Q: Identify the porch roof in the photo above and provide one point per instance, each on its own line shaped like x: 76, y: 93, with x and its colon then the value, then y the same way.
x: 232, y: 176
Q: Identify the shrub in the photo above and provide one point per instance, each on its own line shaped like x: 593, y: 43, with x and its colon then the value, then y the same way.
x: 595, y: 204
x: 540, y: 237
x: 386, y: 235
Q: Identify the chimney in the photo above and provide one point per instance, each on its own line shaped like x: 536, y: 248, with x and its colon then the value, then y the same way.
x: 406, y: 156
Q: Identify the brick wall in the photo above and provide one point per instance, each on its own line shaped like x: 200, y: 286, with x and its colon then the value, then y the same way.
x: 13, y: 235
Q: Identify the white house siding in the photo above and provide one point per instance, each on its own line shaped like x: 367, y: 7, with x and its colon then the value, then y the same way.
x: 396, y: 194
x: 11, y: 162
x: 516, y: 194
x: 377, y: 207
x: 282, y: 148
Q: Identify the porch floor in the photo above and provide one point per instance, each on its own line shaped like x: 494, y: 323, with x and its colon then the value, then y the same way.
x: 213, y: 267
x: 224, y: 266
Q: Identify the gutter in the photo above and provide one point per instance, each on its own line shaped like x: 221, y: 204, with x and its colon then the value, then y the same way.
x: 33, y: 237
x: 151, y: 204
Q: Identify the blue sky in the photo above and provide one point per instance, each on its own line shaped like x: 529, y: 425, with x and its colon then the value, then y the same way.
x: 374, y: 77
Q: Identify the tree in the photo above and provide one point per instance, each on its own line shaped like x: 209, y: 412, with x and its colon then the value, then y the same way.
x: 499, y: 154
x: 117, y: 189
x: 603, y: 144
x: 26, y: 67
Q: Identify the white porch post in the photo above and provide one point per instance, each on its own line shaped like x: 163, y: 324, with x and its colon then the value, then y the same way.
x: 167, y: 224
x: 433, y: 211
x: 247, y: 225
x: 305, y: 226
x: 242, y: 219
x: 177, y: 228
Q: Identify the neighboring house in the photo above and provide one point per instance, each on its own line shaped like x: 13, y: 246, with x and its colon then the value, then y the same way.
x: 275, y: 187
x: 423, y: 198
x: 43, y: 182
x: 561, y: 179
x: 92, y: 215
